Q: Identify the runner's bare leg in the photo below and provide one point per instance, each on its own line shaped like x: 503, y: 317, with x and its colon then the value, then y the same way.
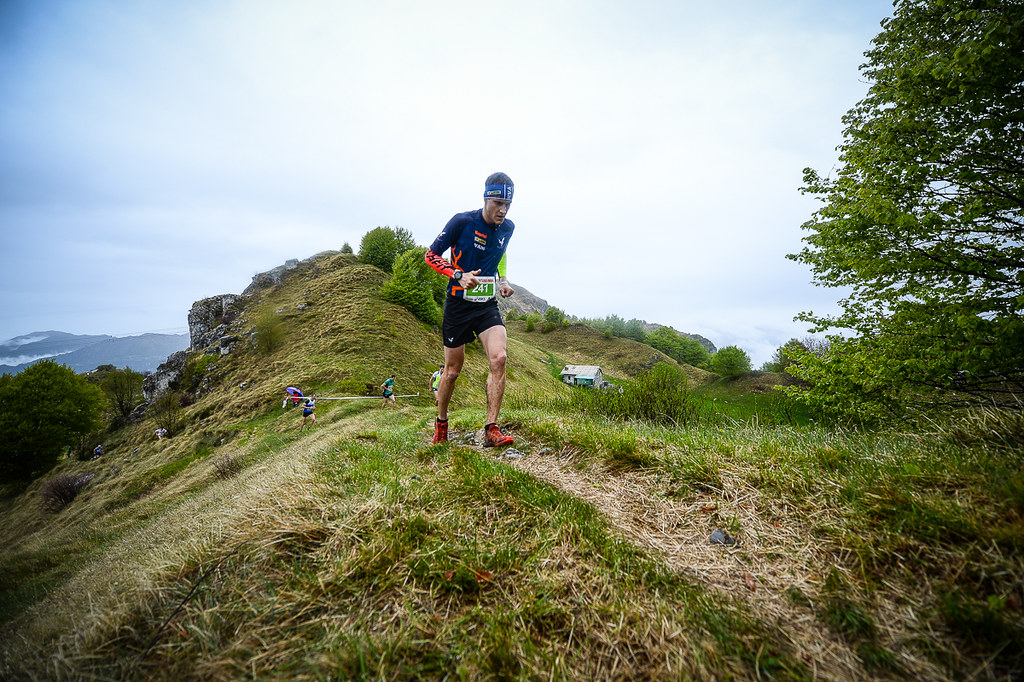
x: 453, y: 359
x: 495, y: 341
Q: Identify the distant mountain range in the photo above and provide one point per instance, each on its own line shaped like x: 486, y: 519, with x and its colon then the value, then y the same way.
x: 83, y: 352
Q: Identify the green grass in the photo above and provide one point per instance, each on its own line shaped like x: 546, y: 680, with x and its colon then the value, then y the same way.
x: 423, y: 562
x: 354, y: 550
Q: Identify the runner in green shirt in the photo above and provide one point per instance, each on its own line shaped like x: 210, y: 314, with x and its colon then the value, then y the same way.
x: 389, y: 391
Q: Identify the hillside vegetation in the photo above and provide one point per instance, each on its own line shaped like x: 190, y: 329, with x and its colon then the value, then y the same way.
x: 241, y: 547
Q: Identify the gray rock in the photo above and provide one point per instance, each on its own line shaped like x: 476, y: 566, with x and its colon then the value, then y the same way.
x: 168, y: 373
x: 206, y: 319
x: 720, y: 537
x: 227, y: 343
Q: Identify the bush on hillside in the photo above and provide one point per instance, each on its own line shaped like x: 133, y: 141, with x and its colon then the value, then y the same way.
x: 167, y: 412
x: 730, y: 362
x: 660, y: 396
x: 60, y: 491
x: 416, y: 286
x: 228, y: 465
x: 382, y: 245
x: 554, y: 315
x: 613, y: 325
x: 678, y: 347
x: 268, y: 332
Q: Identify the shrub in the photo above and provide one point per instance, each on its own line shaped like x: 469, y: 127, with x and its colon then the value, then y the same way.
x: 60, y: 491
x: 659, y: 396
x: 168, y: 413
x: 554, y: 315
x: 382, y: 245
x: 730, y: 362
x: 269, y: 332
x: 416, y: 286
x: 228, y: 465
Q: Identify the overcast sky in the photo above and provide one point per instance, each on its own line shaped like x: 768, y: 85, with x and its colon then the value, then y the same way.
x: 156, y: 153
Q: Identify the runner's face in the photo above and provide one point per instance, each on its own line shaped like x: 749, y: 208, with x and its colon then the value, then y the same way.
x: 495, y: 210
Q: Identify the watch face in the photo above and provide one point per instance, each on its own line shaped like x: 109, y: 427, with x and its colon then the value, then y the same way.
x: 457, y: 275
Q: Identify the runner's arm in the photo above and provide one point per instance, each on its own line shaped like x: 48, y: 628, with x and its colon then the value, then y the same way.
x: 503, y: 286
x: 439, y: 264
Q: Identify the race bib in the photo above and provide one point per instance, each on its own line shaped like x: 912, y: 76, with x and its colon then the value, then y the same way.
x: 483, y: 291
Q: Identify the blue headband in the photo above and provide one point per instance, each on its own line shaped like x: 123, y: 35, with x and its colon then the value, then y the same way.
x: 498, y: 192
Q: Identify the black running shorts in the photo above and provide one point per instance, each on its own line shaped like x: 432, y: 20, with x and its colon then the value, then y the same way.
x: 464, y: 320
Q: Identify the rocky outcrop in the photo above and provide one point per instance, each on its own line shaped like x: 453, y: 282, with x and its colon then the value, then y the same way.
x: 272, y: 277
x: 166, y: 376
x: 209, y: 318
x: 279, y: 274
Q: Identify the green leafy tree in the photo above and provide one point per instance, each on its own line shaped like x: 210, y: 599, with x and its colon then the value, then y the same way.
x: 730, y: 362
x: 554, y: 315
x: 922, y: 223
x: 382, y: 245
x: 346, y: 248
x: 43, y: 409
x: 786, y: 355
x: 123, y: 388
x: 635, y: 329
x: 416, y: 286
x: 678, y: 347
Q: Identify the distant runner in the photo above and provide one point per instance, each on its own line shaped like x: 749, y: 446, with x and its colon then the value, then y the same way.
x: 389, y: 391
x: 476, y: 273
x: 435, y: 379
x: 307, y: 411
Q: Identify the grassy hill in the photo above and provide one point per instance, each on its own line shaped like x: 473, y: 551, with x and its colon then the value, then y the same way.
x: 244, y: 548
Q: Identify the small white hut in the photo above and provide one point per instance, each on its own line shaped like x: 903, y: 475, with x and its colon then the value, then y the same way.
x: 582, y: 375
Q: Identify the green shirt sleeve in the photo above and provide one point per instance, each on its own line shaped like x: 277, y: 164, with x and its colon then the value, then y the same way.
x: 502, y: 265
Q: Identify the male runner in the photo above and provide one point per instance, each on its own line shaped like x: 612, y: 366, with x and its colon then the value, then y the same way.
x: 476, y: 272
x: 307, y: 411
x: 389, y: 391
x: 435, y: 380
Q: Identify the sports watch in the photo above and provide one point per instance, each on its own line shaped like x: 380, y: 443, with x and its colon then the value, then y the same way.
x: 457, y: 275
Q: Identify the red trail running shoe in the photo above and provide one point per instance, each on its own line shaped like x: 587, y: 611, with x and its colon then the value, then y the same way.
x: 493, y: 437
x: 440, y: 432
